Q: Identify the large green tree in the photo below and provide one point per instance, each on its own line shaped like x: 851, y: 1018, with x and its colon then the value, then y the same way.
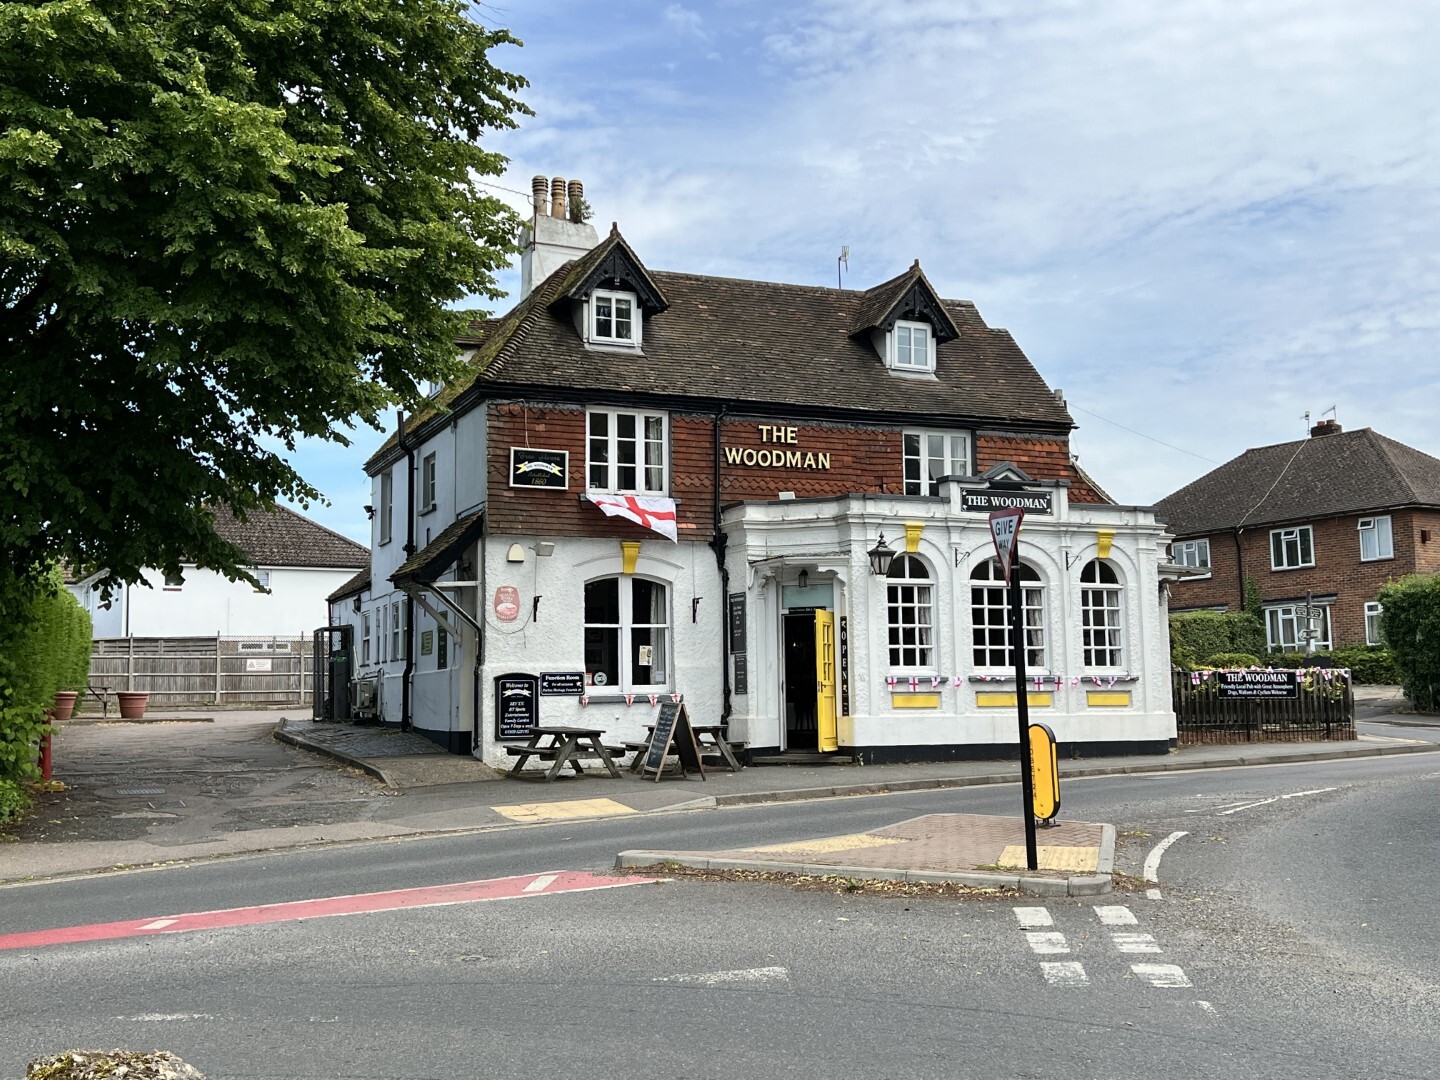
x: 225, y: 225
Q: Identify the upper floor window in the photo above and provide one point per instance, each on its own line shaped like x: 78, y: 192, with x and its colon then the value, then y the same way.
x: 1376, y: 541
x: 387, y: 502
x: 627, y: 634
x: 625, y: 451
x: 990, y: 617
x: 1194, y: 553
x: 1373, y: 610
x: 613, y: 319
x: 427, y: 483
x: 1290, y: 548
x: 930, y: 455
x: 1100, y: 615
x: 912, y: 347
x: 910, y: 614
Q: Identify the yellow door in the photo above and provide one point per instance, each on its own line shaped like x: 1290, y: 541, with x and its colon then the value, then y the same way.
x: 827, y: 727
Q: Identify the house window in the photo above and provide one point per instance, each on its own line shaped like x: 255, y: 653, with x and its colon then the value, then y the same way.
x: 930, y: 455
x: 1290, y: 548
x: 1373, y: 610
x: 397, y: 631
x: 262, y: 581
x: 910, y: 614
x: 365, y: 638
x: 387, y: 500
x: 612, y: 318
x: 1286, y: 628
x: 627, y: 634
x: 990, y: 617
x: 427, y: 483
x: 174, y: 581
x: 442, y: 648
x: 1194, y: 553
x: 1376, y: 541
x: 380, y: 634
x: 625, y: 451
x: 1100, y: 615
x: 910, y: 347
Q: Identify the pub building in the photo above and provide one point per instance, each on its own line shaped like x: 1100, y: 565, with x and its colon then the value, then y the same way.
x: 769, y: 501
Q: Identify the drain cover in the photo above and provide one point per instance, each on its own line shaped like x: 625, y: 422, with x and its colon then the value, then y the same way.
x: 140, y: 791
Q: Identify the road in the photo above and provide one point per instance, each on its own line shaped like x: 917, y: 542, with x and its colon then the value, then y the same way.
x: 1293, y: 937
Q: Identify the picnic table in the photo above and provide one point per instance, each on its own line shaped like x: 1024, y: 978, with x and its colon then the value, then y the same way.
x: 563, y: 746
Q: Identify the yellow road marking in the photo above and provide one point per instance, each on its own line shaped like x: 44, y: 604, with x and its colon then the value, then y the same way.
x: 562, y: 811
x: 833, y: 843
x: 1052, y: 858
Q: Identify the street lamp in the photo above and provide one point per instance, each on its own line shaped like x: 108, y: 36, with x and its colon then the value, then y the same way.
x: 881, y: 556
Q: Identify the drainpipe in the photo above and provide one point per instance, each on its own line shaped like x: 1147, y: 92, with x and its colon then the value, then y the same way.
x: 717, y: 544
x: 1240, y: 567
x: 407, y: 676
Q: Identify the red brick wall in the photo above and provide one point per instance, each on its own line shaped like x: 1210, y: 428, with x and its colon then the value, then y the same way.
x: 1338, y: 570
x: 1045, y: 457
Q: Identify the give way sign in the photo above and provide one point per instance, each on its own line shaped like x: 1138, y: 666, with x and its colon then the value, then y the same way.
x: 1005, y: 529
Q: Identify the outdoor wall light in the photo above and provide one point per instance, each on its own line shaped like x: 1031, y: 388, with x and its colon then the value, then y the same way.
x: 515, y: 554
x: 369, y: 511
x: 881, y: 556
x: 544, y: 548
x: 804, y: 578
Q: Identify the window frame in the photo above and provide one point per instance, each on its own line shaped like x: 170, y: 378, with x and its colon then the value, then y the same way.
x: 642, y: 442
x: 387, y: 506
x: 427, y: 482
x: 1373, y: 610
x: 262, y: 577
x: 364, y: 638
x: 1371, y: 525
x: 626, y: 627
x: 1116, y: 647
x: 397, y: 630
x: 1033, y: 601
x: 1178, y: 550
x: 910, y: 326
x: 592, y: 318
x: 173, y: 582
x: 1303, y: 535
x: 923, y: 458
x: 921, y: 605
x: 1278, y: 616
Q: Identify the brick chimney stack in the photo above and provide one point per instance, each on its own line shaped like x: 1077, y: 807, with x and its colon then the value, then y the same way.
x: 1325, y: 427
x: 551, y: 238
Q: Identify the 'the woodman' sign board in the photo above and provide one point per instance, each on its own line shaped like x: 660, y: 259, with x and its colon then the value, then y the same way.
x: 984, y: 501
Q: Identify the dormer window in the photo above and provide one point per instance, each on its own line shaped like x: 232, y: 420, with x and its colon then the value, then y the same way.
x: 911, y: 347
x: 613, y: 318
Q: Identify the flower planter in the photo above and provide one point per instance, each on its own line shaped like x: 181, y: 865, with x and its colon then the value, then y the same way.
x: 132, y: 703
x: 64, y: 704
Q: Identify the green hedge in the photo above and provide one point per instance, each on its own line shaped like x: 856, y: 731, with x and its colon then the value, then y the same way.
x: 1232, y: 660
x: 1197, y: 635
x: 1410, y: 624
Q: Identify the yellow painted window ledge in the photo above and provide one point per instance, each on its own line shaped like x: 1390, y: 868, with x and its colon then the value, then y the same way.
x: 914, y: 701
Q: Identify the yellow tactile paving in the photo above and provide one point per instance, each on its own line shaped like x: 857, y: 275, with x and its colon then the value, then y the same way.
x: 828, y: 844
x: 1052, y: 858
x: 562, y: 811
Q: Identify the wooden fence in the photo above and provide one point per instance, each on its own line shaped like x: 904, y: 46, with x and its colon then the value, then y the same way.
x: 1322, y: 710
x: 206, y: 670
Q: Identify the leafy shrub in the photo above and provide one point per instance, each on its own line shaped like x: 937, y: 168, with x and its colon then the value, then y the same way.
x: 1369, y: 665
x: 1232, y: 660
x: 14, y: 801
x: 1410, y: 624
x: 40, y: 652
x: 1209, y: 633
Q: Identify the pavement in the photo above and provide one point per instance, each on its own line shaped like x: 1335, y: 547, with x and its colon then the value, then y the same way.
x: 194, y: 785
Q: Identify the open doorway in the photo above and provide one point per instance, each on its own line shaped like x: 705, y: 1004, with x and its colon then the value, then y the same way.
x: 800, y: 690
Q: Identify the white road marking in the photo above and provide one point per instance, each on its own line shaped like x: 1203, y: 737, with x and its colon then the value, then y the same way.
x: 159, y: 924
x: 1207, y: 1007
x: 1046, y: 942
x: 541, y: 883
x: 166, y: 1018
x: 1218, y: 806
x: 1032, y: 918
x: 1276, y: 798
x: 1115, y: 915
x: 1152, y: 862
x: 1164, y: 976
x: 1134, y: 942
x: 710, y: 978
x: 1064, y: 973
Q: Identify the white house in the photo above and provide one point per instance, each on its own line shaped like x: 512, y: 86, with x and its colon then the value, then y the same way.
x: 769, y: 500
x: 297, y: 561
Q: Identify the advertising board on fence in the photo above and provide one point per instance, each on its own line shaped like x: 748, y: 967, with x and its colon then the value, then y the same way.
x: 1257, y: 684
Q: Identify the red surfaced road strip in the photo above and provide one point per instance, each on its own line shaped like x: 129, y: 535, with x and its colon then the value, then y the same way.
x: 465, y: 892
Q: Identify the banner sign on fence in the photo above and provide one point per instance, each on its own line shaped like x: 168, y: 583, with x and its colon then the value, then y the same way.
x: 1257, y: 684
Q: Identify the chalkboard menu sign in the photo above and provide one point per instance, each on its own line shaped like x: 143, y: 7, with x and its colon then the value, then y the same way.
x: 517, y: 705
x: 737, y: 622
x: 562, y: 682
x: 672, y: 729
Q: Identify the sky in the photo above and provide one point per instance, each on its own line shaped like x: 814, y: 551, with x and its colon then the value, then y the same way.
x: 1202, y: 221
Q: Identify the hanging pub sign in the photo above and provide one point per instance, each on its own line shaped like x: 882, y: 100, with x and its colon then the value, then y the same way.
x: 517, y: 705
x: 1256, y: 684
x: 981, y: 500
x: 539, y: 468
x: 507, y: 603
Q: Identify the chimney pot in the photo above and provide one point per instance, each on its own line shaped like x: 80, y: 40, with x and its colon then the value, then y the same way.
x: 1326, y: 427
x: 557, y: 198
x: 576, y: 191
x: 538, y: 186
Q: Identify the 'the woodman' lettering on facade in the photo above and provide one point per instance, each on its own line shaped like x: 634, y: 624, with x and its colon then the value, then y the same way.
x: 780, y: 494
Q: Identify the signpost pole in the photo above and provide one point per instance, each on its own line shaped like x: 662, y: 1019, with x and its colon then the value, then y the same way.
x: 1022, y: 705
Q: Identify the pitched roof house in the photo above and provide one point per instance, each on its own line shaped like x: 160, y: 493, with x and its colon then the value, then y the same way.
x: 1319, y: 523
x: 659, y: 484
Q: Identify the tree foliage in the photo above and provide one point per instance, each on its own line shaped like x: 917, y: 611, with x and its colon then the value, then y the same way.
x: 225, y: 225
x: 1410, y: 623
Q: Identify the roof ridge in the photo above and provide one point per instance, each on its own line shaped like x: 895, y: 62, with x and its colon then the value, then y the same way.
x: 1383, y: 444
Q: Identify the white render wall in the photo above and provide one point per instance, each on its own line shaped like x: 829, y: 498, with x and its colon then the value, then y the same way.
x: 208, y: 604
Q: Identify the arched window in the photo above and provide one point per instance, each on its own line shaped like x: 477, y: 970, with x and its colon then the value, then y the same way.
x: 910, y: 611
x: 1100, y: 615
x: 627, y: 634
x: 990, y: 616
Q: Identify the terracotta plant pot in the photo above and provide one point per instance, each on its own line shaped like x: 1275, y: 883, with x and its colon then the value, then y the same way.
x: 64, y: 704
x: 132, y: 703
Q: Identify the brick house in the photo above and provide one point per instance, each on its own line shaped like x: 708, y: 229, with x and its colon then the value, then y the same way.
x: 1332, y: 518
x: 654, y: 484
